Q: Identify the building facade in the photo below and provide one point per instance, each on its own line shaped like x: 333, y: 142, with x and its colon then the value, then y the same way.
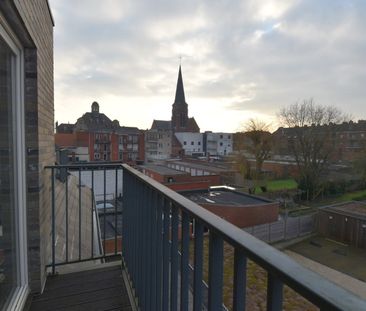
x: 105, y: 139
x: 217, y: 144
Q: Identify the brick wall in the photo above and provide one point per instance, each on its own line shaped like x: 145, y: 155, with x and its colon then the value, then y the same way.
x: 245, y: 216
x: 39, y: 118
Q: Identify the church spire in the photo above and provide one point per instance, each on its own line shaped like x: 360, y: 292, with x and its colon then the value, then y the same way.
x: 179, y: 93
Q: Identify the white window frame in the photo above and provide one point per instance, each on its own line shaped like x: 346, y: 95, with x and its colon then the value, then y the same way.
x: 19, y: 296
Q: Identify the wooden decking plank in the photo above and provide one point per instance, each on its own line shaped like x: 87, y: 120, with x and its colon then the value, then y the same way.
x: 58, y: 282
x: 87, y: 286
x: 101, y: 305
x: 100, y: 289
x: 114, y: 293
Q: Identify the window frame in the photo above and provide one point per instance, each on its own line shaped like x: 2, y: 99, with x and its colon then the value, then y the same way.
x: 18, y: 298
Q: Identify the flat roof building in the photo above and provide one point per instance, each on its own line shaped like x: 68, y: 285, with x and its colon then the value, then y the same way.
x: 241, y: 209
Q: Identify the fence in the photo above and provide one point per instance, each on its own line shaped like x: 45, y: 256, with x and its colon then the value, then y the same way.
x: 284, y: 229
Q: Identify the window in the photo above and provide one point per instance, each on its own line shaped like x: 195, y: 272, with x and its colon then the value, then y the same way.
x: 221, y: 144
x: 192, y: 143
x: 221, y: 136
x: 229, y: 136
x: 13, y: 259
x: 184, y: 143
x: 199, y: 143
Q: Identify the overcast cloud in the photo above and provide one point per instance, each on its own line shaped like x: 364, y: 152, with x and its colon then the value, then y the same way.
x: 241, y: 59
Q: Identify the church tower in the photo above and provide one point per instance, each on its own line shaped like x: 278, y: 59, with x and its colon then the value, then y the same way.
x: 180, y: 108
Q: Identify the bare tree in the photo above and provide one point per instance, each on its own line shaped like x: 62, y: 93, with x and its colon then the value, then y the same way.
x: 359, y: 165
x: 310, y: 140
x: 259, y: 142
x: 254, y: 141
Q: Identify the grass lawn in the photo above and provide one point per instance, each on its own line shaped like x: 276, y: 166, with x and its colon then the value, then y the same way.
x: 279, y: 184
x: 256, y: 295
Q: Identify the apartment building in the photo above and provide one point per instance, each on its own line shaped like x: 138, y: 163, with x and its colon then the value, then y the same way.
x: 105, y: 139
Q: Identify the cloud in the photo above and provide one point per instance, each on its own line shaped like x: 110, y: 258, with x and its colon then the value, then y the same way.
x: 242, y: 56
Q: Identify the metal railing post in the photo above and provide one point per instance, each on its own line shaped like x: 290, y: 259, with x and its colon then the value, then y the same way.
x: 53, y: 222
x: 274, y: 293
x: 198, y: 266
x: 215, y: 277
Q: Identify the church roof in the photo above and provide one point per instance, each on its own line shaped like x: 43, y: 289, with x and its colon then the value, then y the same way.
x: 94, y: 121
x: 161, y: 125
x: 179, y: 93
x: 192, y: 125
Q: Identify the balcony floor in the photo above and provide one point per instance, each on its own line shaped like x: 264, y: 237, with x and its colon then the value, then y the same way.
x: 97, y: 289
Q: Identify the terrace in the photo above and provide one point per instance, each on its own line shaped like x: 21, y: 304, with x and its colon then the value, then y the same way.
x: 154, y: 271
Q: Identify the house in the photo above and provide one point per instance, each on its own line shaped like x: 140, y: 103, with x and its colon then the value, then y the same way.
x: 347, y: 138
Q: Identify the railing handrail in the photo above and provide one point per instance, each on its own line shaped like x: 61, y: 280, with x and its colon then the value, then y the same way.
x: 312, y: 286
x: 85, y: 165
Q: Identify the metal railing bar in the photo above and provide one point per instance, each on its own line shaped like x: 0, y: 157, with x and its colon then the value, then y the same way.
x: 274, y: 293
x: 198, y: 266
x: 79, y: 214
x: 53, y: 222
x: 92, y: 213
x: 240, y: 276
x: 184, y: 271
x: 67, y: 215
x: 215, y: 272
x: 159, y: 249
x: 115, y: 214
x: 174, y: 260
x: 104, y: 210
x: 153, y: 253
x: 166, y: 258
x: 84, y: 165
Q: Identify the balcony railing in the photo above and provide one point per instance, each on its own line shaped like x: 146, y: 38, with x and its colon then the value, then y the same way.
x: 86, y: 213
x: 164, y: 275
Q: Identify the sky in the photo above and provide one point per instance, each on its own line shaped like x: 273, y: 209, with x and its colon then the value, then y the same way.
x: 240, y: 59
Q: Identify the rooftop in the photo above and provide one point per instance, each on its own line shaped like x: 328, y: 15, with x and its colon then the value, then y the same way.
x: 162, y: 170
x: 207, y: 166
x: 355, y: 209
x: 223, y: 196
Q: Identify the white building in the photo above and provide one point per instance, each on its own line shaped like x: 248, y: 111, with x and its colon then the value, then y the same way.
x: 217, y: 144
x: 192, y: 143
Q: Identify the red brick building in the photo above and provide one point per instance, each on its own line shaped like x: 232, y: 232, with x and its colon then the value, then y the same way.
x: 105, y: 139
x: 180, y: 181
